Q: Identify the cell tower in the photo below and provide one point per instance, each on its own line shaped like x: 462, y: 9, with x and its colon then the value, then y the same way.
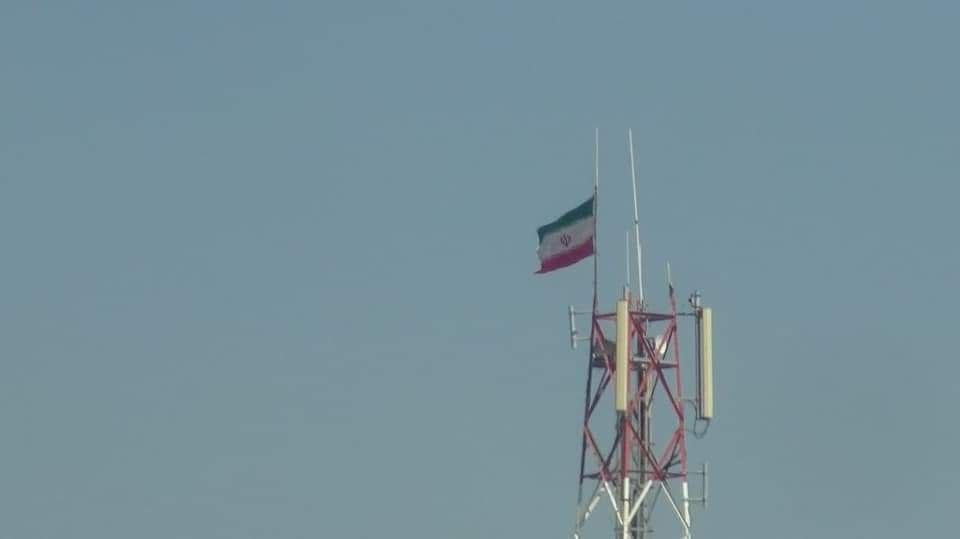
x: 635, y: 354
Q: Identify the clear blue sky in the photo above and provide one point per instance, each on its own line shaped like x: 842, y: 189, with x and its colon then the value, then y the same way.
x: 266, y: 269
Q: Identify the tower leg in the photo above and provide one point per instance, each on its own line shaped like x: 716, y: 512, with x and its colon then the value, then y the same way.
x: 625, y: 509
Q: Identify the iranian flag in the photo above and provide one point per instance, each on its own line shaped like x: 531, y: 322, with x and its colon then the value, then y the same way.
x: 567, y: 240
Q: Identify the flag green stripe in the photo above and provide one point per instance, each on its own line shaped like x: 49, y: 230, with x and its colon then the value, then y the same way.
x: 580, y: 212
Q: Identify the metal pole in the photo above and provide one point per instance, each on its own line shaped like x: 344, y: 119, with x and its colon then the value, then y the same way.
x: 643, y: 417
x: 644, y: 373
x: 636, y: 218
x: 625, y: 505
x: 624, y: 359
x: 586, y: 405
x: 596, y: 189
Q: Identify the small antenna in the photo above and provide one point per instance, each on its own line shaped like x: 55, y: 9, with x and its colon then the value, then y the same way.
x: 628, y: 258
x: 573, y: 328
x: 704, y: 485
x: 669, y: 280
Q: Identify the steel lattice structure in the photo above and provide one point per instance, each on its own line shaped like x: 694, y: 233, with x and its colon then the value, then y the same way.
x: 626, y: 470
x: 643, y: 363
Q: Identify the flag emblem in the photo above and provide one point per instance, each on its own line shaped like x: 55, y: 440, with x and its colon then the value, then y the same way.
x: 567, y: 240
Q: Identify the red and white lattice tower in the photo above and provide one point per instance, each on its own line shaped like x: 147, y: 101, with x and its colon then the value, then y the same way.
x: 635, y: 356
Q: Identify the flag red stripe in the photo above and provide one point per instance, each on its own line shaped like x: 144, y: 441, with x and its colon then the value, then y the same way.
x: 567, y: 258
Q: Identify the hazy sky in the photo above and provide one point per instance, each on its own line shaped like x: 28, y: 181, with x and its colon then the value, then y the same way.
x: 266, y: 268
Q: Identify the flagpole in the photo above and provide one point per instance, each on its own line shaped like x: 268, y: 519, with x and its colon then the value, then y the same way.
x: 586, y: 404
x: 596, y: 217
x: 636, y: 218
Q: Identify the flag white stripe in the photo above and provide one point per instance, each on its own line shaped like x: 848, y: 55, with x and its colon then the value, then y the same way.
x: 566, y: 239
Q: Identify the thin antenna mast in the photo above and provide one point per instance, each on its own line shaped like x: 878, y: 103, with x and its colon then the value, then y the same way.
x: 636, y: 218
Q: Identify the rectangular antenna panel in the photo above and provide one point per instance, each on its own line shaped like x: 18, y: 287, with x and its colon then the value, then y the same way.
x: 706, y: 363
x: 623, y: 356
